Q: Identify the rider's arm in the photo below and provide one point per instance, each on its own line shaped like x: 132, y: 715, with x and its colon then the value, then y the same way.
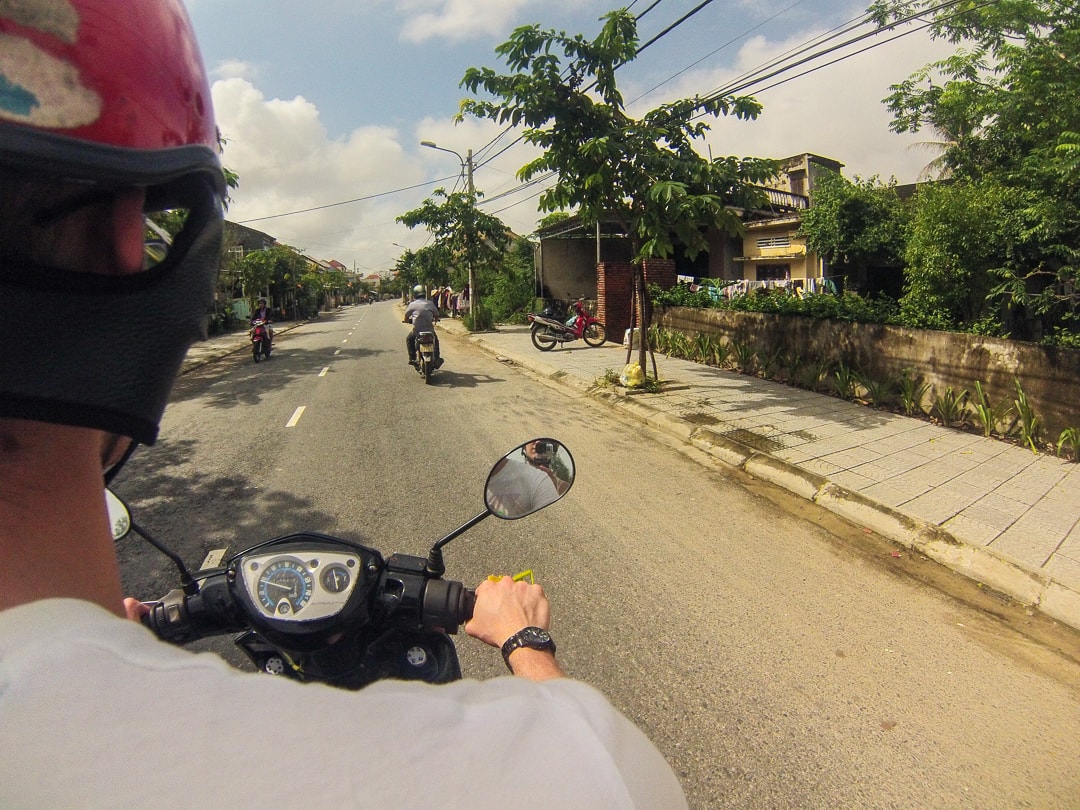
x: 502, y: 608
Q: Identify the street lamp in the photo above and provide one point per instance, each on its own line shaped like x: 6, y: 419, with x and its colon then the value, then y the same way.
x: 467, y: 165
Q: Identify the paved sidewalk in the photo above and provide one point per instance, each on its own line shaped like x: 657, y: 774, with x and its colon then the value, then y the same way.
x: 995, y: 512
x: 992, y: 511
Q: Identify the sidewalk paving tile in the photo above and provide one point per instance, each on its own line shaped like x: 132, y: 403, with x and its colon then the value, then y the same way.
x: 970, y: 530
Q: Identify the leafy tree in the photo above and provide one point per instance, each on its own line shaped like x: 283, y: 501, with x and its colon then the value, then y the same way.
x: 553, y: 218
x: 429, y: 266
x: 464, y: 236
x: 855, y: 225
x: 960, y: 233
x: 307, y: 291
x: 642, y: 173
x: 276, y: 269
x: 1006, y: 97
x: 513, y: 289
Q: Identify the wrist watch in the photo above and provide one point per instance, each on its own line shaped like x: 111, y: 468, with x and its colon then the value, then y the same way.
x: 532, y: 637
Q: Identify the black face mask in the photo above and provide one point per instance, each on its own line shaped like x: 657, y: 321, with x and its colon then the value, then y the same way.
x: 103, y: 351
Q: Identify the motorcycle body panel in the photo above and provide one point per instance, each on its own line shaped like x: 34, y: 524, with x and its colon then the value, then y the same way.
x: 425, y: 355
x: 547, y: 330
x: 261, y: 341
x: 316, y: 608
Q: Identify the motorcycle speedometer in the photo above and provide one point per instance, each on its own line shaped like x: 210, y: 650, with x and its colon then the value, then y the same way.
x: 284, y: 588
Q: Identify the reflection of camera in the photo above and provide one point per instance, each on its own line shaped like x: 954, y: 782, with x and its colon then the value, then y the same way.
x: 545, y: 448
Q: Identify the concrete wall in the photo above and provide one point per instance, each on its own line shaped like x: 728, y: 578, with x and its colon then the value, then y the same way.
x: 1050, y: 377
x: 566, y: 268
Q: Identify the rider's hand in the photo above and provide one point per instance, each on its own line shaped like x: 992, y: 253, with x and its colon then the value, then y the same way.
x: 135, y: 610
x: 502, y: 608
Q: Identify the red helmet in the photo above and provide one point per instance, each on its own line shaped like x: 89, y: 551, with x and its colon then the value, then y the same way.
x: 107, y: 94
x: 93, y: 86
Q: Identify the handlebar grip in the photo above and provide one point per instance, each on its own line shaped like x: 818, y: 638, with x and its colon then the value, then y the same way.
x: 169, y: 618
x: 446, y: 604
x: 179, y: 617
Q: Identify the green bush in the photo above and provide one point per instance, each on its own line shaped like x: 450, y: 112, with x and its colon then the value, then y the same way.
x: 479, y: 320
x: 847, y: 306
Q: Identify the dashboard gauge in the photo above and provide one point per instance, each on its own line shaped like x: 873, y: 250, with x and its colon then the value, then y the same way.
x: 335, y: 578
x: 284, y: 588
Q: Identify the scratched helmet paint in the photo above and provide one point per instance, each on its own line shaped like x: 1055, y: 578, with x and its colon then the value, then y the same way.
x: 102, y: 95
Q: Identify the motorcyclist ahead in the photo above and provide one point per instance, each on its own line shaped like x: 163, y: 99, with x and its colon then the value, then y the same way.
x: 266, y: 315
x: 423, y: 315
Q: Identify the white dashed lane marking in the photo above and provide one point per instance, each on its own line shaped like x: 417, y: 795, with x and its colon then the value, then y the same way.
x: 296, y: 416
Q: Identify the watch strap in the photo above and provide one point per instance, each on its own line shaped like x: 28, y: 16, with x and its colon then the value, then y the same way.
x: 535, y: 638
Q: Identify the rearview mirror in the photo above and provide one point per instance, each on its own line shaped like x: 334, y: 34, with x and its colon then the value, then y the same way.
x: 528, y: 478
x: 119, y: 516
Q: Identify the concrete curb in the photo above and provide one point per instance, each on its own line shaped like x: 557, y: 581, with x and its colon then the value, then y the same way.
x: 932, y: 541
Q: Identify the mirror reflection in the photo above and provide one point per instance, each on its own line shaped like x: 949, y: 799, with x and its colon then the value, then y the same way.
x: 119, y: 517
x: 529, y: 477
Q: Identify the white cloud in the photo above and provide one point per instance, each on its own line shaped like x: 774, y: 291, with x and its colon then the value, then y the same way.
x: 835, y: 112
x: 286, y: 163
x: 459, y: 20
x: 235, y: 69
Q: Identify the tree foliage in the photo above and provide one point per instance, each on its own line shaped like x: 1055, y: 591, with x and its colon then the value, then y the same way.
x: 643, y: 173
x: 275, y: 269
x: 957, y: 239
x: 464, y: 237
x: 513, y: 289
x: 1006, y: 101
x: 429, y: 266
x: 855, y: 225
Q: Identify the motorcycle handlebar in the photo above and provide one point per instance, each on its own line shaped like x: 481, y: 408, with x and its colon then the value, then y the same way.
x: 447, y: 604
x: 180, y: 618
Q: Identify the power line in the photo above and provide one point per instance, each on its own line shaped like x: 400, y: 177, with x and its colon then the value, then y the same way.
x: 344, y: 202
x: 731, y: 41
x: 742, y: 83
x: 747, y: 81
x: 673, y: 26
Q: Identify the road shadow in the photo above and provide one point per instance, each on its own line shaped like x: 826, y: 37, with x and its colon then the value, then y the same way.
x: 238, y: 380
x: 193, y: 514
x: 457, y: 379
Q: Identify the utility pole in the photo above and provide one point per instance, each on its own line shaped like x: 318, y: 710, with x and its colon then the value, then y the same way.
x: 471, y: 234
x: 470, y: 227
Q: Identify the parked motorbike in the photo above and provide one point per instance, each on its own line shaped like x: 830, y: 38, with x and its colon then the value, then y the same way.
x: 547, y: 330
x: 261, y: 339
x: 317, y: 608
x: 425, y: 355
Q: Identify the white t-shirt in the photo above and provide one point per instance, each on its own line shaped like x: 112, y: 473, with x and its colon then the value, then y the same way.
x: 518, y: 489
x: 96, y: 712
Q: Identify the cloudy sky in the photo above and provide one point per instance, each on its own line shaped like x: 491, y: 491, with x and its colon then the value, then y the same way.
x: 324, y: 102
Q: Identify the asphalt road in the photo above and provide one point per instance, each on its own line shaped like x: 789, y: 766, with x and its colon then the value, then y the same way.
x: 773, y: 664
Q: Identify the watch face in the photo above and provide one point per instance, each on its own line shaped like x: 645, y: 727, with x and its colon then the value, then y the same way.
x: 534, y: 635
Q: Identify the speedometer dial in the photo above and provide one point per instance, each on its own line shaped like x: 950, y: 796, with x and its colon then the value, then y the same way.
x: 284, y: 587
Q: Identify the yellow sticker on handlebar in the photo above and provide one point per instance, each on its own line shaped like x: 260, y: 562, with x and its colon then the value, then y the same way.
x: 527, y: 574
